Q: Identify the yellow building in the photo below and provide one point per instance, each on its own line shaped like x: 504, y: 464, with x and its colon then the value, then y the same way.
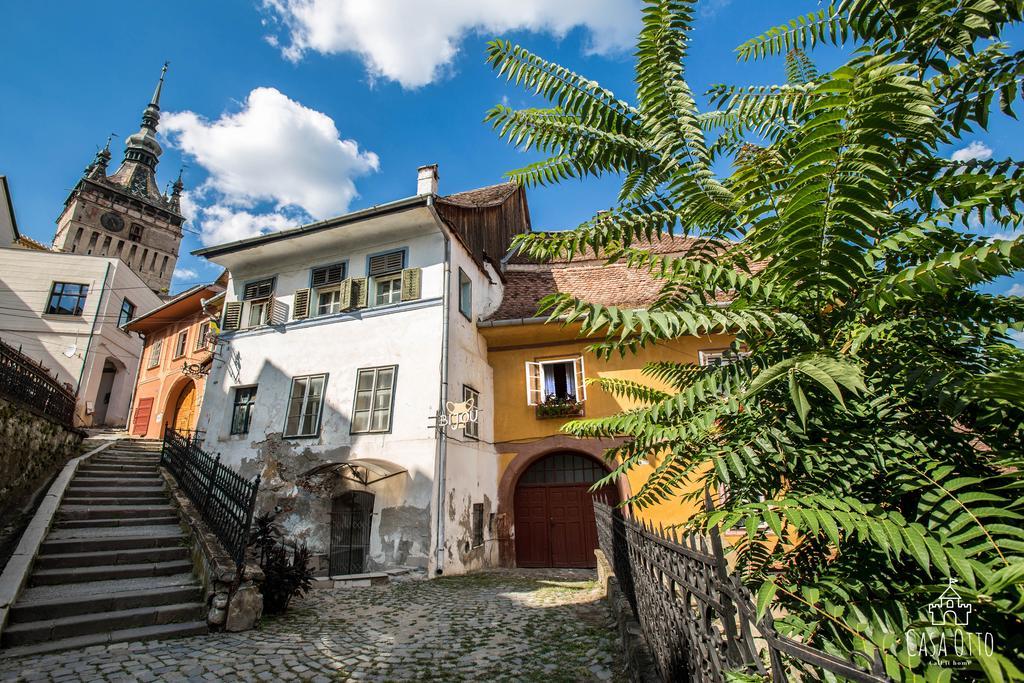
x: 544, y: 510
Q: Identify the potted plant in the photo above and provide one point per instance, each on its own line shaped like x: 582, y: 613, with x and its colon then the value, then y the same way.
x: 560, y: 406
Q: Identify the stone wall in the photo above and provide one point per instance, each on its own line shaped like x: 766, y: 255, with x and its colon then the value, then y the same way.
x: 32, y: 448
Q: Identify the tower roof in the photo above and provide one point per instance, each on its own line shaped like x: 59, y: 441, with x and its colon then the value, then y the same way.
x: 137, y: 173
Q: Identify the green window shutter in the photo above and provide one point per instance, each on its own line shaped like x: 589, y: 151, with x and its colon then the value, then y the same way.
x: 346, y: 294
x: 411, y: 278
x: 359, y: 287
x: 300, y: 307
x: 232, y: 315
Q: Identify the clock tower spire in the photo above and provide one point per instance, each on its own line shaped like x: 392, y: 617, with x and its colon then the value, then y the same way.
x: 125, y: 215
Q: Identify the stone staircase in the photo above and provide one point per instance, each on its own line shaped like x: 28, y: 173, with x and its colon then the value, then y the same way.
x: 114, y: 566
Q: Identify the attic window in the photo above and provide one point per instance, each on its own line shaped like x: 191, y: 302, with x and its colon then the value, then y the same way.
x: 259, y: 289
x: 385, y: 264
x: 327, y: 275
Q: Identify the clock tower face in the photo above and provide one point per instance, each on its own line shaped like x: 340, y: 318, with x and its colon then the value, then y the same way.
x: 112, y: 222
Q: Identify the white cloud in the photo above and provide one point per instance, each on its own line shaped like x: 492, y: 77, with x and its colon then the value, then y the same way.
x: 975, y: 150
x: 274, y: 151
x: 188, y: 274
x: 412, y: 41
x: 222, y: 224
x: 710, y: 8
x: 1016, y: 290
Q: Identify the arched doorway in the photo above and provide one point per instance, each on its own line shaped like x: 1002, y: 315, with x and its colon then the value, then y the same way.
x: 554, y: 511
x: 104, y: 392
x: 351, y: 518
x: 182, y: 416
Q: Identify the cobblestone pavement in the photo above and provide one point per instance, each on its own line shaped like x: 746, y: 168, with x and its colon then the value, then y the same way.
x: 545, y: 625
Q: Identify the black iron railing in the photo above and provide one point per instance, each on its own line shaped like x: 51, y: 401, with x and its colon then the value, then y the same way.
x: 697, y: 617
x: 224, y: 498
x: 23, y: 381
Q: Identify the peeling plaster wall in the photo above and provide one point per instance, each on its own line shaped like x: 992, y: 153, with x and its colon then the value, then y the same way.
x: 472, y: 465
x: 408, y: 336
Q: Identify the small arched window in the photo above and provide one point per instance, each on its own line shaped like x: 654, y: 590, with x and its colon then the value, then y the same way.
x: 564, y: 468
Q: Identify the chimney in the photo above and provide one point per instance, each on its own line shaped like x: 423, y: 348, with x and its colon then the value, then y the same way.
x: 426, y: 179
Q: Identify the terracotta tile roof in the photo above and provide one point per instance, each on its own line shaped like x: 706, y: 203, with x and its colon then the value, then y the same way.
x: 587, y: 278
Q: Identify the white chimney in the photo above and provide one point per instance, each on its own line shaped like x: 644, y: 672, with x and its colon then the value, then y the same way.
x: 426, y: 179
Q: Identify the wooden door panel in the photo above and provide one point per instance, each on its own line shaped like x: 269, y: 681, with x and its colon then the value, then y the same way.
x: 140, y: 423
x: 531, y: 527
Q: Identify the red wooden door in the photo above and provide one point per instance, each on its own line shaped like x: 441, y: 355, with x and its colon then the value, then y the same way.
x: 143, y: 410
x: 531, y: 515
x: 569, y: 533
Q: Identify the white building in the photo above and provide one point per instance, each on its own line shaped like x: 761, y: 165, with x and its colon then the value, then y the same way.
x: 334, y: 360
x: 66, y: 310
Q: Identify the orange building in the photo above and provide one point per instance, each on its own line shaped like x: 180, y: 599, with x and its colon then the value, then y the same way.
x: 175, y: 360
x: 544, y: 507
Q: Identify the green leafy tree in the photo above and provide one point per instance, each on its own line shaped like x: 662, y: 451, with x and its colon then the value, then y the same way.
x: 873, y: 419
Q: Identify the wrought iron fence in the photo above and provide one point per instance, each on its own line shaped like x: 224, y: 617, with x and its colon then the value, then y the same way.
x: 697, y: 617
x: 25, y: 382
x: 224, y: 498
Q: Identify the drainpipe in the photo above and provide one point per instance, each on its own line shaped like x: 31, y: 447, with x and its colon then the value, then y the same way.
x: 441, y: 453
x: 92, y: 331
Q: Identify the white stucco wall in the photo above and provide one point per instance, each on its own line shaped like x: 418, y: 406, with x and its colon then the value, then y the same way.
x: 26, y: 278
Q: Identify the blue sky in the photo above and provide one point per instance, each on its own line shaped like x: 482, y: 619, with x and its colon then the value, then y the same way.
x: 288, y: 110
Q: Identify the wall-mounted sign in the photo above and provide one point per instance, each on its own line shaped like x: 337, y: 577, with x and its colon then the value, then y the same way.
x: 458, y: 415
x: 194, y: 369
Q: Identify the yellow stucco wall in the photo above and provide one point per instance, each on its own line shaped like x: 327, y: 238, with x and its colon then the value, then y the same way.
x: 510, y: 348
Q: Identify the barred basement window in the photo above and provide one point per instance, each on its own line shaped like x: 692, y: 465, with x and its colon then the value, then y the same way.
x: 478, y: 524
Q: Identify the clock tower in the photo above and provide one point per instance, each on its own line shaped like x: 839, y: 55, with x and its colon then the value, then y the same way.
x: 125, y: 215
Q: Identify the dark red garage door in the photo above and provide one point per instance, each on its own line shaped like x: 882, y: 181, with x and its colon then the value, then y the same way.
x: 554, y: 512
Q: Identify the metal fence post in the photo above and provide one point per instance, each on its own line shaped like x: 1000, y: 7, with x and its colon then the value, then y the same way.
x: 210, y: 484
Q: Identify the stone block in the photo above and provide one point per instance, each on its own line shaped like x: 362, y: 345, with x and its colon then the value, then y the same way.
x: 244, y: 609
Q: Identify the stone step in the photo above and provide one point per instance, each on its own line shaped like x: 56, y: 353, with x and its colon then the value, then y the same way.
x: 97, y: 544
x: 117, y: 467
x: 134, y: 482
x: 160, y: 632
x: 119, y: 557
x: 113, y: 522
x: 56, y: 608
x: 86, y: 473
x: 69, y: 511
x: 26, y: 633
x: 111, y: 491
x: 116, y: 499
x: 52, y: 577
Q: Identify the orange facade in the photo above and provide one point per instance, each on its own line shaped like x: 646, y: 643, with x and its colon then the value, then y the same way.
x: 176, y: 357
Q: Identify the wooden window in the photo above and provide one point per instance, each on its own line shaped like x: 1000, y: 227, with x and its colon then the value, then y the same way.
x: 478, y: 524
x: 328, y: 301
x: 203, y: 338
x: 241, y: 412
x: 300, y: 304
x: 465, y: 295
x: 259, y: 313
x: 563, y: 468
x: 127, y: 313
x: 305, y: 404
x: 232, y: 315
x: 472, y: 428
x: 375, y: 389
x: 154, y: 354
x: 389, y: 263
x: 411, y: 282
x: 387, y: 290
x: 67, y: 298
x: 324, y: 276
x: 180, y: 344
x: 559, y: 380
x: 135, y: 232
x: 259, y: 289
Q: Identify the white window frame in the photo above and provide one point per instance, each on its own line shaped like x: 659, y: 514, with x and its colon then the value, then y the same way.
x: 264, y: 305
x: 180, y: 344
x: 465, y: 295
x: 155, y: 352
x: 472, y: 430
x: 395, y: 292
x: 305, y: 403
x: 373, y: 400
x: 535, y: 379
